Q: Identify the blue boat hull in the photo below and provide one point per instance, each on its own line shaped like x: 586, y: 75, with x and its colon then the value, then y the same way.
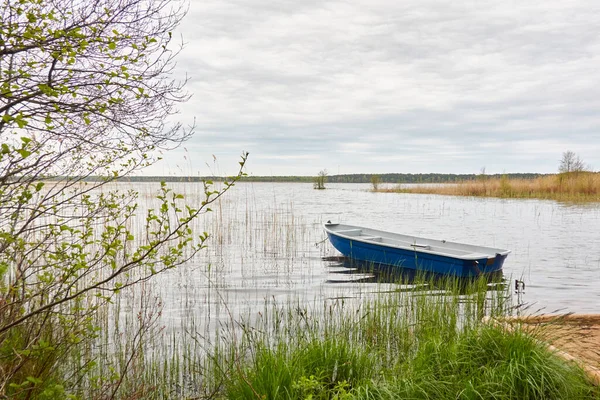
x: 376, y: 253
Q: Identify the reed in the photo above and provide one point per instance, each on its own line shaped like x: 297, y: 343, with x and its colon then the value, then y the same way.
x: 404, y: 345
x: 411, y: 343
x: 573, y: 186
x: 418, y: 339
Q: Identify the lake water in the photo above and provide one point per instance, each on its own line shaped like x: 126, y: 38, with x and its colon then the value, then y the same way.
x: 268, y: 246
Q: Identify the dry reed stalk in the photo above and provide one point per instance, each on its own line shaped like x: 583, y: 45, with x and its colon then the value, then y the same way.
x: 582, y: 186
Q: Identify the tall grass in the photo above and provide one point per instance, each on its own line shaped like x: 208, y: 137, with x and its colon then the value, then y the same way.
x: 574, y: 186
x: 401, y: 345
x: 405, y: 343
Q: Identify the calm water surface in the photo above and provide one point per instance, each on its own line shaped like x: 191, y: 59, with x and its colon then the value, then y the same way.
x: 268, y: 245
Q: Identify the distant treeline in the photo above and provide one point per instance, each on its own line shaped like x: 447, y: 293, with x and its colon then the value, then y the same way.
x: 390, y: 178
x: 347, y: 178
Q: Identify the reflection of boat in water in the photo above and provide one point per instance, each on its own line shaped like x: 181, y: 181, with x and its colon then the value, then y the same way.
x: 347, y: 270
x: 411, y: 252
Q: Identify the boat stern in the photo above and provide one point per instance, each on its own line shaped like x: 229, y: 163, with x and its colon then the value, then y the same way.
x: 486, y: 265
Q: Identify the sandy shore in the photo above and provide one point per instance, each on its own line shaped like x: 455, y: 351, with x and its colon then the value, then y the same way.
x: 574, y: 337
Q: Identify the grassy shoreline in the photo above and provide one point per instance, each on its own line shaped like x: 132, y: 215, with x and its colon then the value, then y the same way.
x: 412, y: 339
x: 404, y: 344
x: 571, y: 187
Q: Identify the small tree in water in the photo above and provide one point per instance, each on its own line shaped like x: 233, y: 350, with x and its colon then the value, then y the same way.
x: 320, y: 180
x: 375, y: 181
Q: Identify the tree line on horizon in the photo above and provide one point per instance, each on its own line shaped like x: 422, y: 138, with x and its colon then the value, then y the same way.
x: 570, y: 162
x: 343, y: 178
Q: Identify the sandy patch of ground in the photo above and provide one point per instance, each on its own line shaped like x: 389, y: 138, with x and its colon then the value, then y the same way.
x: 573, y: 336
x: 577, y: 335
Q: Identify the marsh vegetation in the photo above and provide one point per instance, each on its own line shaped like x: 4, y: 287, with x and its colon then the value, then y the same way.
x: 320, y: 180
x: 250, y: 316
x: 572, y: 186
x: 575, y: 182
x: 424, y: 340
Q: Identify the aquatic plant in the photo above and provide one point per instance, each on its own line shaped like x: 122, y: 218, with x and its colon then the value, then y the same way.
x: 375, y: 181
x: 401, y: 345
x: 320, y: 180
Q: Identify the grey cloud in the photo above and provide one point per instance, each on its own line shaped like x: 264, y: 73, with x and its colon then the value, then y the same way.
x: 423, y: 85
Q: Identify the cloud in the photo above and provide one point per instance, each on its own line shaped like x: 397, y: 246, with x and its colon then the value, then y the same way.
x: 411, y: 86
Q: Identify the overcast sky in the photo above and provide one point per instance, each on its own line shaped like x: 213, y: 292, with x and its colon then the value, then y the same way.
x: 373, y: 86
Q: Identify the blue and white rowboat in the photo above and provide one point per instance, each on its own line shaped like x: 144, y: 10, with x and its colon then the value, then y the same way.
x: 438, y: 256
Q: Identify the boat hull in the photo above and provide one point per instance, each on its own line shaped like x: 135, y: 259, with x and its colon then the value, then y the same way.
x: 364, y: 250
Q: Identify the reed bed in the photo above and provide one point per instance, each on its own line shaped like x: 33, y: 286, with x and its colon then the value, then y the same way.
x: 423, y: 339
x: 572, y: 187
x: 410, y: 344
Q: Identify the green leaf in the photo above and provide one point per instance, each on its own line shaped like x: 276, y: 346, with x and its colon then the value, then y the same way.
x: 34, y: 380
x: 20, y: 121
x: 46, y: 89
x: 24, y: 153
x: 3, y: 269
x: 112, y: 45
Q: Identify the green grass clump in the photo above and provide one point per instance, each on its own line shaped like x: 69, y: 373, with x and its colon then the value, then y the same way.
x: 319, y: 370
x: 400, y: 346
x: 489, y: 363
